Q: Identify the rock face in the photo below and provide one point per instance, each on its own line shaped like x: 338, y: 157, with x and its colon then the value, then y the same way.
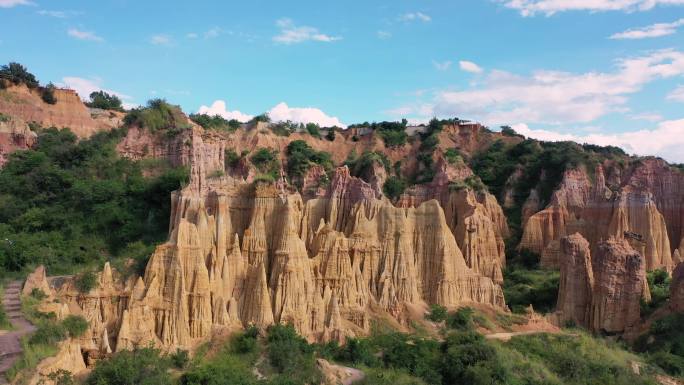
x: 241, y: 254
x: 69, y: 111
x: 620, y: 283
x: 576, y: 281
x: 642, y: 204
x: 37, y: 280
x: 602, y: 293
x: 677, y: 289
x: 15, y: 134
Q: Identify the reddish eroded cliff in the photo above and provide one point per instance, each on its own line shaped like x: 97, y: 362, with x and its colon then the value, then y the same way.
x: 14, y: 135
x: 69, y: 111
x: 641, y: 203
x: 602, y: 292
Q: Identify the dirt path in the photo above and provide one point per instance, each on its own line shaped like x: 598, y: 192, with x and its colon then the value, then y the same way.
x: 10, y: 348
x: 508, y: 335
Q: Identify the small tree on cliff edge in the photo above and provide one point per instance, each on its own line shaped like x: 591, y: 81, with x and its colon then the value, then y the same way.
x: 16, y: 73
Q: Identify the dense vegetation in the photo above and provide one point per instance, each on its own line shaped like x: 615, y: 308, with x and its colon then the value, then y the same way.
x: 67, y: 203
x: 216, y: 122
x: 105, y: 101
x: 266, y: 162
x: 659, y: 287
x: 664, y: 344
x: 157, y: 116
x: 300, y: 157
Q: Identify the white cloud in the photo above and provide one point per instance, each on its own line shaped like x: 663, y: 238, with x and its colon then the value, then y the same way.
x: 212, y: 33
x: 14, y: 3
x: 84, y: 87
x: 282, y: 112
x: 554, y: 97
x: 292, y: 34
x: 192, y: 35
x: 666, y: 140
x: 469, y: 66
x: 650, y: 117
x: 442, y: 66
x: 384, y: 35
x: 549, y: 7
x: 58, y: 14
x: 219, y: 108
x: 84, y: 35
x: 160, y: 40
x: 415, y: 16
x: 654, y: 30
x: 677, y: 94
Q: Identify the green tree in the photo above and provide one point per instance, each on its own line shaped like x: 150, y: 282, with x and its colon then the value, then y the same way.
x: 103, y: 100
x: 47, y: 93
x: 17, y: 74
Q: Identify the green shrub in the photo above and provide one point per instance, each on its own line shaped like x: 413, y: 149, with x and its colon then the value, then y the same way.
x: 291, y: 355
x: 393, y: 187
x: 383, y: 376
x: 331, y: 134
x: 461, y: 319
x: 453, y: 156
x: 158, y: 115
x: 357, y: 351
x: 38, y: 294
x: 61, y: 377
x: 48, y: 332
x: 86, y: 281
x: 75, y: 325
x: 226, y: 369
x: 104, y: 101
x: 140, y: 366
x: 216, y: 174
x: 232, y: 159
x: 300, y: 157
x: 17, y: 74
x: 313, y: 129
x: 659, y: 286
x: 216, y: 122
x: 180, y: 359
x: 47, y: 93
x: 246, y: 342
x: 523, y: 287
x: 438, y: 313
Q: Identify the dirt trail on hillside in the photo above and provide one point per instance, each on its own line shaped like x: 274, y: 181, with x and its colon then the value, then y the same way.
x: 10, y: 346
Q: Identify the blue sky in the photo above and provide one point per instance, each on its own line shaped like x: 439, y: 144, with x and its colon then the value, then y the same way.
x: 604, y: 71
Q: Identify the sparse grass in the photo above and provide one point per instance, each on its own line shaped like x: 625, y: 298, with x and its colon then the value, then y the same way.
x: 5, y: 324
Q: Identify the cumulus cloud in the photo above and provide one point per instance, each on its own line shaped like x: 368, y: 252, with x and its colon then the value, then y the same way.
x: 219, y: 108
x: 654, y: 30
x: 160, y: 39
x: 415, y: 16
x: 554, y: 97
x: 469, y: 66
x: 84, y: 87
x: 282, y: 112
x: 442, y: 66
x: 293, y: 34
x: 84, y: 35
x: 677, y: 94
x: 549, y: 7
x: 665, y: 140
x: 13, y: 3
